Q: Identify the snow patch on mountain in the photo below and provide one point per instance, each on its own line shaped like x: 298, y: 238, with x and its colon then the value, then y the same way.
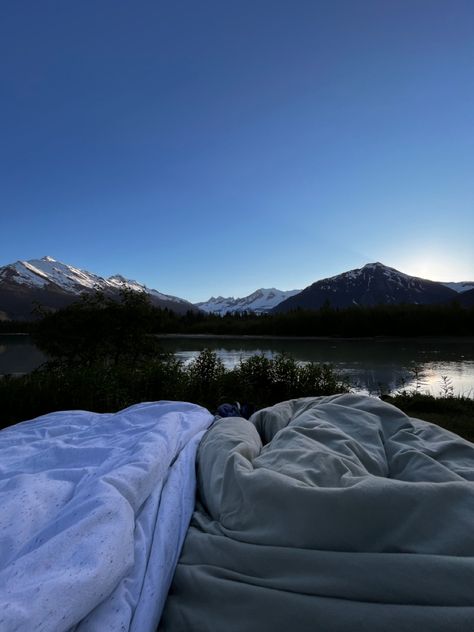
x: 44, y: 272
x: 367, y: 273
x: 121, y: 283
x: 373, y: 284
x: 461, y: 286
x: 260, y: 301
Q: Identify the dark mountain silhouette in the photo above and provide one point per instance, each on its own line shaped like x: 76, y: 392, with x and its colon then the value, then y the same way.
x: 374, y: 284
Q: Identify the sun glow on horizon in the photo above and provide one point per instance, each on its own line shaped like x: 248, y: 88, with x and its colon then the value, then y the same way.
x: 434, y: 269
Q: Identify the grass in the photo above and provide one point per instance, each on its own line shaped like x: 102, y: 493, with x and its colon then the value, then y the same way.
x: 106, y: 387
x: 259, y: 381
x: 455, y: 413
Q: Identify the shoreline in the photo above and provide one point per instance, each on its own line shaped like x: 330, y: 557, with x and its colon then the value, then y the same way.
x: 463, y: 339
x: 427, y: 339
x: 14, y: 333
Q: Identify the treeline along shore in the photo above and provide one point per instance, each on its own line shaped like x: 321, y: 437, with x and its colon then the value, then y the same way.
x: 104, y: 357
x: 382, y: 320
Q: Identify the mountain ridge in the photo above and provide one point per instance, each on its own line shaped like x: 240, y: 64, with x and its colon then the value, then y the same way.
x: 373, y: 284
x: 460, y: 286
x: 54, y: 285
x: 260, y: 301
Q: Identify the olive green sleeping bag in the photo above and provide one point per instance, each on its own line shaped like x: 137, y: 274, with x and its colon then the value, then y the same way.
x: 328, y: 514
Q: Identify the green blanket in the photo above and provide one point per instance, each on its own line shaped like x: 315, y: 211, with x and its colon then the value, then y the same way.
x: 334, y: 514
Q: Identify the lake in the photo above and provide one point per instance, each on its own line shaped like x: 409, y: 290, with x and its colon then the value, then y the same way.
x: 369, y: 364
x: 18, y: 354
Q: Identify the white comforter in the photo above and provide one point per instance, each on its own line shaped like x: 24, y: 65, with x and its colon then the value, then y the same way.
x: 93, y: 512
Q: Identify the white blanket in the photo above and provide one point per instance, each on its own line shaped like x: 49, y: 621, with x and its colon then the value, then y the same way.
x: 93, y: 512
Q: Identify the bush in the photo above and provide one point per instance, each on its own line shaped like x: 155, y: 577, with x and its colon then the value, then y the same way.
x: 204, y: 379
x: 106, y: 387
x: 257, y: 381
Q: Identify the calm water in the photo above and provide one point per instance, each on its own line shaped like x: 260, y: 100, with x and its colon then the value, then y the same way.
x: 18, y: 354
x: 367, y: 363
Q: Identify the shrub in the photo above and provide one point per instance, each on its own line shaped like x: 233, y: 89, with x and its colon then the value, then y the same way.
x: 105, y: 387
x: 204, y: 379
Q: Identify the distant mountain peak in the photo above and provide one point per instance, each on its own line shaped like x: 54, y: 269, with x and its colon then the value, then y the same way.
x: 120, y: 279
x: 460, y: 286
x: 261, y: 301
x: 375, y: 264
x: 373, y: 284
x: 56, y: 284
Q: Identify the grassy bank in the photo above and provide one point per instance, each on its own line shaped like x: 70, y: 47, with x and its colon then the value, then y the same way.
x: 455, y: 413
x: 107, y: 387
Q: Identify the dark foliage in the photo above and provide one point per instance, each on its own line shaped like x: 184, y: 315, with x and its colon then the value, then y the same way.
x: 455, y: 413
x: 96, y: 318
x: 104, y: 358
x: 106, y: 387
x: 15, y: 327
x: 99, y: 329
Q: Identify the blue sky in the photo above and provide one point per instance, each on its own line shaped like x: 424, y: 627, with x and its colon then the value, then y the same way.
x: 215, y: 147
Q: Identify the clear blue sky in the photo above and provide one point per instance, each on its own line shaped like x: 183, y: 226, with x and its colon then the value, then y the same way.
x: 214, y: 147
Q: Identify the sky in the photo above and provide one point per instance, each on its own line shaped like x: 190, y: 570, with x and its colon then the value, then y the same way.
x: 215, y: 147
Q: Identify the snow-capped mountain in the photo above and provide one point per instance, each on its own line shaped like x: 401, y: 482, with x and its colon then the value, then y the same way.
x: 260, y: 301
x: 54, y: 284
x: 461, y: 286
x: 373, y: 284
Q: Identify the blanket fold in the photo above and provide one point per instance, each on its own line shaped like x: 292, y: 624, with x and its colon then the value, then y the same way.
x: 93, y: 512
x: 339, y: 513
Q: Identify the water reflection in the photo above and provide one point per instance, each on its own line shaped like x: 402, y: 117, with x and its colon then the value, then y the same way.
x: 18, y: 355
x: 372, y: 366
